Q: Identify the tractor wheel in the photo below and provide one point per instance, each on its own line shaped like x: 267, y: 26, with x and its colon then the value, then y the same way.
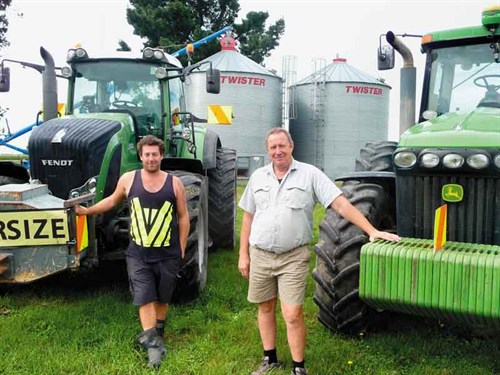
x: 193, y: 274
x: 338, y: 253
x: 222, y: 200
x: 5, y: 180
x: 376, y: 156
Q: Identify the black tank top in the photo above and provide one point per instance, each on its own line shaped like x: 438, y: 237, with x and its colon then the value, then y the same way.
x: 154, y: 233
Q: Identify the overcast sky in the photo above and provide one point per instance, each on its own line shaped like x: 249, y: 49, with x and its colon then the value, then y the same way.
x: 314, y: 29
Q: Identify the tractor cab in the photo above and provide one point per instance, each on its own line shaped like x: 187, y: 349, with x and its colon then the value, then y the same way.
x: 460, y: 77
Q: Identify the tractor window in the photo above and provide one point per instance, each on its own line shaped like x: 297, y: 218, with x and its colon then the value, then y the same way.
x: 176, y: 99
x: 120, y: 86
x: 463, y: 78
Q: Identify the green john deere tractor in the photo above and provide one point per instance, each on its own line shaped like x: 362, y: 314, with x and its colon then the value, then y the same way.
x: 451, y: 156
x: 77, y: 157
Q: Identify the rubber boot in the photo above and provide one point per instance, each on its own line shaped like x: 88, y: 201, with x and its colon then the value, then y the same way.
x: 153, y: 344
x: 160, y: 333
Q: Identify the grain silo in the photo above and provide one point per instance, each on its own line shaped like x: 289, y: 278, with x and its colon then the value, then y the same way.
x: 255, y: 94
x: 338, y: 110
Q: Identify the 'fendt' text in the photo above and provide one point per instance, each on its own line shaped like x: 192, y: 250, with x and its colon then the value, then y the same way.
x: 57, y: 163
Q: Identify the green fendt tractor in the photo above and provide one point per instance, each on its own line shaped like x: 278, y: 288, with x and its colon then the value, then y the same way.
x: 78, y: 157
x: 451, y: 156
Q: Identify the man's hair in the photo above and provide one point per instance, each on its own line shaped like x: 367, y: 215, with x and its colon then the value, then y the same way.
x: 278, y: 131
x: 151, y: 140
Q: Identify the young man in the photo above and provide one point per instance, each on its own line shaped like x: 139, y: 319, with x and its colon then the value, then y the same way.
x: 278, y: 205
x: 159, y: 227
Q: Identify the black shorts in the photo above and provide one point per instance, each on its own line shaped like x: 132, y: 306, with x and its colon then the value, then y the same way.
x: 151, y: 282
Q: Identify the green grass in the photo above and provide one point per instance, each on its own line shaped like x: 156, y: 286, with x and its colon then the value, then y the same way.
x: 89, y: 327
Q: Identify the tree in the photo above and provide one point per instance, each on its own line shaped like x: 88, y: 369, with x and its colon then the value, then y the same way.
x: 255, y: 41
x: 172, y: 24
x: 4, y: 23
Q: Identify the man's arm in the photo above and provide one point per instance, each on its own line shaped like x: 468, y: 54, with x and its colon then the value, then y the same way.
x: 345, y: 209
x: 107, y: 203
x: 244, y: 261
x: 182, y: 213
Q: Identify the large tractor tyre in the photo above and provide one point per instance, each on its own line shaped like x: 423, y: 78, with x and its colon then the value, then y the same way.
x: 193, y: 275
x: 338, y: 254
x: 376, y: 156
x: 5, y: 180
x: 222, y: 200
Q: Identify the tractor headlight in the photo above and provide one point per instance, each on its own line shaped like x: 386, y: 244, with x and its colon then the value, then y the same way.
x: 161, y: 72
x: 81, y: 53
x: 453, y: 161
x: 159, y: 55
x: 71, y: 55
x: 405, y: 159
x: 153, y: 53
x: 497, y: 161
x: 76, y: 54
x: 478, y: 161
x: 429, y: 160
x: 148, y: 53
x: 66, y: 71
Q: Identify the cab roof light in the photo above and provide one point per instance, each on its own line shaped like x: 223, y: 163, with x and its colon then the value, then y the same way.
x: 154, y: 54
x: 76, y: 54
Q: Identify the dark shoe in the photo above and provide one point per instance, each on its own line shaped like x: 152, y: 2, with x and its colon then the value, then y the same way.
x: 154, y: 345
x: 299, y: 371
x: 266, y: 367
x: 161, y: 344
x: 160, y: 332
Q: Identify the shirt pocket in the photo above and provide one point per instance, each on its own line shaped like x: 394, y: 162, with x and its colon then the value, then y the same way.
x: 296, y: 197
x: 262, y: 197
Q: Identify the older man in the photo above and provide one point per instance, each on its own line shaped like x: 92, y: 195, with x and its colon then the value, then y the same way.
x: 278, y: 205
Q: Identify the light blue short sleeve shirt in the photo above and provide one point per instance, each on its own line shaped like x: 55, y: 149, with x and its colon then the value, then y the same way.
x: 283, y: 212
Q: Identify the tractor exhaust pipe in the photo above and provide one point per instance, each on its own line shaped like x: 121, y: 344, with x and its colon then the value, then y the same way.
x: 49, y: 82
x: 408, y: 82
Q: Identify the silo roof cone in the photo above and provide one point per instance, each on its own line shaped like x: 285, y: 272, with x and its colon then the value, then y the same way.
x: 230, y: 60
x: 340, y: 71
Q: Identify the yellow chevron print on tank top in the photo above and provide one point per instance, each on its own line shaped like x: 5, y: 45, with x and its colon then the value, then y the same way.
x: 150, y: 227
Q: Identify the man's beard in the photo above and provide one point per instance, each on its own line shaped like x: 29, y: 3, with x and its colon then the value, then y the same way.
x: 152, y: 168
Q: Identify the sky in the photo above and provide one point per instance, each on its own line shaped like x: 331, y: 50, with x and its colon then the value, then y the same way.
x: 314, y: 29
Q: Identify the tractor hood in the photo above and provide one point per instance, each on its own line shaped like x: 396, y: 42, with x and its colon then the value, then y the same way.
x: 477, y: 129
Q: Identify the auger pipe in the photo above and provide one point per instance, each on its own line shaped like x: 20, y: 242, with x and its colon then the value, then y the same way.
x: 205, y: 40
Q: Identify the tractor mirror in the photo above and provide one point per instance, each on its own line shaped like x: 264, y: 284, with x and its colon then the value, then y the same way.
x: 385, y: 57
x: 5, y: 79
x: 213, y: 81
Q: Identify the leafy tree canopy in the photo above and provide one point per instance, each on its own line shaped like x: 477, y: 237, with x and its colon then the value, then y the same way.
x: 172, y: 24
x: 4, y: 23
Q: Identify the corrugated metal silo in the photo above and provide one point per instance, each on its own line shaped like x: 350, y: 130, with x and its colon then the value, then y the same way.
x: 256, y: 96
x: 338, y: 110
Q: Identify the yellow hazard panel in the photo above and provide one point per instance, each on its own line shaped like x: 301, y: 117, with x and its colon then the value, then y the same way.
x: 33, y: 228
x: 220, y: 114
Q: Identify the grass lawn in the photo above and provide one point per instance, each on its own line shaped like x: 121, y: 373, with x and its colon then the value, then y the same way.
x: 73, y: 325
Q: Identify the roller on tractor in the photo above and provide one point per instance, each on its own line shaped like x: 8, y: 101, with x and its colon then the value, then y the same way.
x: 77, y: 157
x: 449, y: 160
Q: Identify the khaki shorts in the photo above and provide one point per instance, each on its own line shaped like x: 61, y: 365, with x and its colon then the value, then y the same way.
x: 285, y: 274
